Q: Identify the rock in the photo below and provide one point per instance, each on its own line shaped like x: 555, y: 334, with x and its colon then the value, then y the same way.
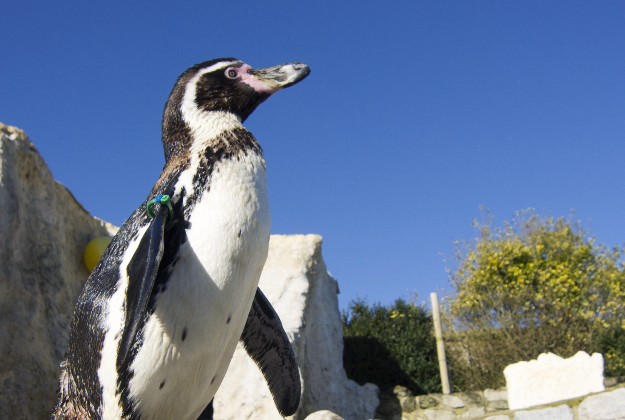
x: 402, y: 391
x: 324, y: 415
x: 496, y: 405
x: 425, y: 401
x: 43, y: 234
x: 473, y: 412
x: 434, y: 414
x: 298, y: 285
x: 500, y: 394
x: 473, y: 397
x: 453, y: 401
x: 561, y: 412
x: 390, y: 407
x: 607, y: 406
x: 408, y: 404
x: 551, y: 378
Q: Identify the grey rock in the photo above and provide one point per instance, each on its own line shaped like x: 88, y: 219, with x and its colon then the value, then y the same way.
x: 324, y: 415
x: 606, y: 406
x: 472, y: 397
x: 453, y: 401
x: 473, y: 412
x: 425, y: 401
x: 408, y: 404
x: 608, y: 382
x: 402, y: 391
x: 500, y: 394
x: 43, y: 234
x: 561, y: 412
x: 496, y: 405
x: 434, y: 414
x: 389, y: 408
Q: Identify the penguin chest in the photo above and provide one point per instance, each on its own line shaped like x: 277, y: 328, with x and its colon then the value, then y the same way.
x: 199, y: 316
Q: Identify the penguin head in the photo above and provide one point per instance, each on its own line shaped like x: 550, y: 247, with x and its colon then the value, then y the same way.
x: 223, y: 85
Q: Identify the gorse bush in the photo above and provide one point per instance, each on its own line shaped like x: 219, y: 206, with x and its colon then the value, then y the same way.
x: 390, y: 346
x: 536, y: 285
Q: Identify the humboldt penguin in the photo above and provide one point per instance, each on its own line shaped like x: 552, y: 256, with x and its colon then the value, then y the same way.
x: 157, y: 322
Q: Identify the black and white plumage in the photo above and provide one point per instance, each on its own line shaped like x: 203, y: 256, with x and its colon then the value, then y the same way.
x: 159, y: 318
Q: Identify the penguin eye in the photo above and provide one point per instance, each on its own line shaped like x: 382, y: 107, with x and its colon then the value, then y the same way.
x: 231, y: 74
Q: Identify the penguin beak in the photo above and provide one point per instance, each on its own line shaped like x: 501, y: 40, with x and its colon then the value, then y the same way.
x: 282, y: 76
x: 272, y: 79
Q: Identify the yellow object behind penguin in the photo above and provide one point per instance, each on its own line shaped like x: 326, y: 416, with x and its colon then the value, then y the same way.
x: 94, y: 250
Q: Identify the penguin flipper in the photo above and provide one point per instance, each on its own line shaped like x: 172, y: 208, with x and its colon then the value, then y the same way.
x: 142, y: 271
x: 267, y: 344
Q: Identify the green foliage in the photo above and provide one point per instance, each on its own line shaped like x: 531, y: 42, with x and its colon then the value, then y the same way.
x: 391, y: 346
x: 612, y: 345
x: 536, y: 285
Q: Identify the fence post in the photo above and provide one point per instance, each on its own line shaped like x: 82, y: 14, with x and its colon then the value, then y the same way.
x: 440, y: 345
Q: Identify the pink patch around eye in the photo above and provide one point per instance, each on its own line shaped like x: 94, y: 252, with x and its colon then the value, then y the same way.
x: 257, y: 85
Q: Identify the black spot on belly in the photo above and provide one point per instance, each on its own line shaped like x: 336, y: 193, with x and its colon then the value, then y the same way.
x: 240, y: 233
x: 161, y: 385
x: 229, y: 319
x: 184, y: 333
x: 213, y: 380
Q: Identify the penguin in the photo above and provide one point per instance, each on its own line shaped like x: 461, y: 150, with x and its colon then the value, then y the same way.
x: 158, y: 320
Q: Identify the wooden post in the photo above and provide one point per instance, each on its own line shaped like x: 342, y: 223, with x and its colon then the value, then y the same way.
x: 440, y: 345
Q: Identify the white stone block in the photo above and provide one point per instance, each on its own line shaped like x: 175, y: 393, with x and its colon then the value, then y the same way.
x: 298, y: 285
x: 608, y: 406
x: 561, y: 412
x: 551, y: 378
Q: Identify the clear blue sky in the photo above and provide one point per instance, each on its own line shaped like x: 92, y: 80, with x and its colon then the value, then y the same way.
x: 414, y: 115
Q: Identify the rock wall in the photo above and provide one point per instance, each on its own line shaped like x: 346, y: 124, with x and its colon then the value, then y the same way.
x: 298, y: 285
x: 43, y: 233
x: 493, y: 405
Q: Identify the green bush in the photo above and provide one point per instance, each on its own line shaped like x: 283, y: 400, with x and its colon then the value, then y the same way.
x: 536, y: 285
x: 391, y: 346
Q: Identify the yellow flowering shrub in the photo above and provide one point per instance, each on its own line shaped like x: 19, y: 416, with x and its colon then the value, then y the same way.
x: 536, y: 285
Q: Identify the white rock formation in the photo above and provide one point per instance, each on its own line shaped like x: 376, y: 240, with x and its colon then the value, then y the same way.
x: 551, y: 378
x: 43, y: 233
x: 298, y: 285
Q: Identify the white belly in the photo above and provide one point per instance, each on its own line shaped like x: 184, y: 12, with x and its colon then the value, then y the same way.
x: 198, y: 319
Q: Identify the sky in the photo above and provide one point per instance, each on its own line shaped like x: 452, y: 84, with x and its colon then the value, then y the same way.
x: 415, y: 114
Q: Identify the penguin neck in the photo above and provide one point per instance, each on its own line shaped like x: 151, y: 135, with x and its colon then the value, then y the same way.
x: 207, y: 127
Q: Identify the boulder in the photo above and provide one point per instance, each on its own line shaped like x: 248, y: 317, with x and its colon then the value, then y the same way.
x: 324, y: 415
x: 43, y: 234
x: 561, y: 412
x: 606, y: 406
x: 551, y: 378
x: 298, y: 285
